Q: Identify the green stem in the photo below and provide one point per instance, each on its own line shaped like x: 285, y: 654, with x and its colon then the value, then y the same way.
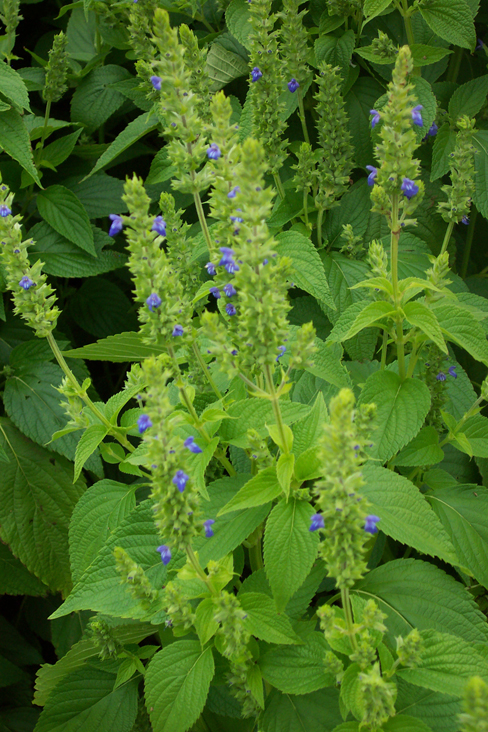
x: 447, y: 237
x: 346, y: 605
x: 305, y: 206
x: 384, y: 347
x: 414, y: 357
x: 319, y: 227
x: 301, y: 114
x: 470, y: 413
x: 196, y: 566
x: 202, y: 219
x: 205, y: 370
x: 469, y: 241
x: 275, y: 402
x: 455, y: 64
x: 395, y: 238
x: 256, y: 556
x: 47, y: 114
x: 279, y: 185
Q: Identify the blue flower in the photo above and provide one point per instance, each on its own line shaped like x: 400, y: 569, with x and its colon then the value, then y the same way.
x: 165, y: 552
x: 208, y: 528
x: 230, y: 309
x: 232, y: 193
x: 153, y: 301
x: 480, y: 45
x: 452, y: 371
x: 177, y: 331
x: 180, y: 480
x: 376, y: 117
x: 227, y: 255
x: 159, y: 226
x: 26, y: 283
x: 465, y: 220
x: 256, y: 74
x: 373, y: 172
x: 234, y: 352
x: 236, y: 219
x: 156, y: 82
x: 416, y: 116
x: 316, y: 522
x: 213, y: 152
x: 4, y: 210
x: 293, y: 85
x: 143, y: 423
x: 281, y: 349
x: 409, y: 188
x: 210, y: 268
x: 116, y: 226
x: 192, y: 445
x: 230, y: 290
x: 215, y: 292
x: 370, y: 524
x: 433, y: 130
x: 231, y: 267
x: 441, y: 376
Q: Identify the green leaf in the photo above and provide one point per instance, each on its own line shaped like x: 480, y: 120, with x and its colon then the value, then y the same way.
x: 15, y: 141
x: 463, y: 510
x: 119, y: 348
x: 451, y: 20
x: 461, y: 327
x: 12, y: 85
x: 336, y: 51
x: 425, y: 96
x: 307, y: 267
x: 480, y: 195
x: 223, y: 66
x: 327, y: 364
x: 98, y: 512
x: 359, y: 100
x: 263, y: 620
x: 161, y: 169
x: 38, y: 499
x: 469, y: 98
x: 205, y: 625
x: 59, y: 150
x: 447, y: 664
x: 372, y: 8
x: 422, y: 450
x: 262, y: 488
x: 439, y: 711
x: 94, y: 101
x: 284, y: 471
x: 81, y: 32
x: 401, y: 409
x: 405, y: 514
x: 65, y: 213
x: 420, y: 316
x: 256, y: 413
x: 176, y: 685
x: 99, y: 588
x: 15, y: 579
x: 315, y: 712
x: 307, y: 431
x: 87, y: 700
x: 89, y: 441
x: 444, y: 145
x: 298, y: 669
x: 358, y: 316
x: 475, y: 431
x: 101, y: 308
x: 350, y: 693
x: 417, y: 594
x: 290, y: 549
x: 136, y: 129
x: 100, y: 194
x: 424, y: 55
x: 405, y: 723
x: 237, y: 18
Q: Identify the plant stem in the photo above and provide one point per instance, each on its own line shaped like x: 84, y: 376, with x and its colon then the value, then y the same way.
x: 205, y: 370
x: 469, y: 241
x: 196, y: 566
x: 202, y: 219
x: 384, y: 347
x: 395, y: 238
x: 346, y: 605
x: 279, y: 185
x: 276, y: 408
x: 44, y: 131
x: 305, y: 206
x: 319, y: 227
x: 301, y: 114
x: 455, y: 64
x: 256, y: 556
x: 447, y: 237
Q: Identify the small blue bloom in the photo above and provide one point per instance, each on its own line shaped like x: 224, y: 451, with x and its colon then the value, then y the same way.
x: 230, y: 309
x: 433, y: 130
x: 165, y: 552
x: 159, y: 226
x: 452, y: 371
x: 416, y: 116
x: 293, y: 85
x: 210, y: 268
x: 4, y: 210
x: 376, y: 117
x: 256, y: 74
x: 233, y: 192
x: 281, y: 350
x: 409, y: 188
x: 192, y: 445
x: 156, y: 82
x: 231, y: 267
x: 213, y: 152
x: 465, y: 220
x: 177, y: 331
x: 153, y: 301
x: 373, y: 172
x: 180, y: 480
x: 316, y: 522
x: 215, y: 292
x: 265, y: 261
x: 230, y: 290
x: 236, y: 219
x: 441, y: 376
x: 227, y: 255
x: 234, y: 352
x: 208, y: 528
x: 370, y: 524
x: 26, y: 283
x: 480, y: 45
x: 143, y: 423
x: 116, y: 226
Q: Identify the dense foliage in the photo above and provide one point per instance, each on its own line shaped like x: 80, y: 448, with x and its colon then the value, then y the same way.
x: 243, y: 454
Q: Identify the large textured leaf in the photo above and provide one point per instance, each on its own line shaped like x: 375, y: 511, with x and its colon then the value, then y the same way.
x: 336, y: 50
x: 223, y: 66
x: 65, y: 213
x: 401, y: 409
x: 38, y: 497
x: 416, y: 594
x: 461, y: 327
x: 444, y: 144
x: 439, y: 711
x: 263, y: 620
x: 237, y: 17
x: 133, y: 132
x: 422, y: 450
x: 15, y: 579
x: 469, y: 98
x: 86, y: 700
x: 94, y: 101
x: 327, y: 364
x: 318, y: 711
x: 405, y: 514
x: 290, y: 548
x: 481, y: 177
x: 451, y: 20
x: 14, y: 139
x: 101, y: 308
x: 358, y: 316
x: 13, y: 86
x: 176, y: 685
x: 307, y: 267
x: 298, y: 669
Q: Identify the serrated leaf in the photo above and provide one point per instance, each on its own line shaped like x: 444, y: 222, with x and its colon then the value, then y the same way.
x: 350, y: 691
x: 237, y: 18
x: 424, y: 55
x: 256, y: 413
x: 405, y: 514
x: 101, y: 308
x: 59, y: 150
x: 119, y: 348
x: 89, y: 441
x: 401, y: 409
x: 136, y: 129
x: 475, y: 431
x: 327, y: 364
x: 65, y: 213
x: 307, y: 431
x: 444, y: 145
x: 284, y: 471
x: 38, y: 498
x: 461, y: 327
x: 290, y: 548
x: 405, y: 723
x: 420, y: 316
x: 359, y: 100
x: 298, y: 669
x: 372, y: 8
x: 336, y: 50
x: 13, y: 86
x: 469, y: 98
x: 451, y: 20
x: 358, y: 316
x: 263, y: 620
x: 15, y: 579
x: 422, y: 450
x: 307, y: 267
x: 318, y: 711
x: 15, y: 141
x: 480, y: 195
x: 205, y: 625
x: 439, y: 711
x: 98, y: 512
x: 262, y: 488
x: 223, y: 66
x: 176, y: 685
x: 94, y: 101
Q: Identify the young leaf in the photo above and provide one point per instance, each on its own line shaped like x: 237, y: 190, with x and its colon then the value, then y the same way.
x: 205, y: 625
x: 65, y: 213
x: 420, y: 316
x: 264, y: 487
x: 118, y: 348
x: 89, y: 441
x: 298, y: 669
x: 176, y: 685
x: 308, y: 430
x: 358, y: 316
x: 284, y: 471
x: 307, y: 267
x: 136, y: 129
x: 263, y: 620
